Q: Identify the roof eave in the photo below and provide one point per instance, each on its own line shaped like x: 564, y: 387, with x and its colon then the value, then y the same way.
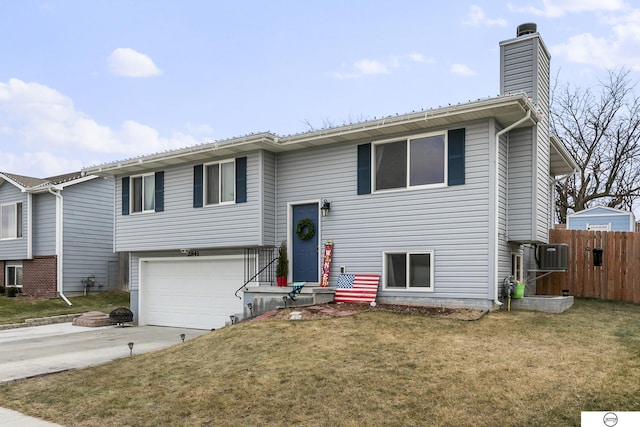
x: 505, y: 109
x: 561, y: 162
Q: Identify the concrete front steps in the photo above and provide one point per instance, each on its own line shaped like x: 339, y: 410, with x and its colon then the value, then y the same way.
x: 543, y: 303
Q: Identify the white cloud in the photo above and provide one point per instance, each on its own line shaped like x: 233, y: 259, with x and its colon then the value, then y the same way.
x: 50, y: 135
x: 202, y: 129
x: 558, y: 8
x: 477, y: 18
x: 370, y: 66
x: 420, y: 58
x: 620, y: 48
x: 366, y: 67
x: 462, y: 70
x: 127, y: 62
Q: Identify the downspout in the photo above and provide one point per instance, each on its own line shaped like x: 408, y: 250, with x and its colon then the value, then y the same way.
x: 29, y: 226
x: 496, y: 190
x: 59, y: 242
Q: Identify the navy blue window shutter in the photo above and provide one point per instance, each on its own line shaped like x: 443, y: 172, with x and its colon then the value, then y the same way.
x: 364, y: 169
x: 456, y: 156
x: 197, y: 186
x: 125, y: 195
x: 160, y: 191
x: 241, y: 179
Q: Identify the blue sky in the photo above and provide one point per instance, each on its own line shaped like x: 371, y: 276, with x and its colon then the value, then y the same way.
x: 88, y: 82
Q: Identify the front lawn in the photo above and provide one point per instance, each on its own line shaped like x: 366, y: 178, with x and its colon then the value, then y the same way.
x: 20, y: 308
x: 374, y: 368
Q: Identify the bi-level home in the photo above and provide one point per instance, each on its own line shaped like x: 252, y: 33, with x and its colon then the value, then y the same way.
x: 443, y: 204
x: 57, y: 234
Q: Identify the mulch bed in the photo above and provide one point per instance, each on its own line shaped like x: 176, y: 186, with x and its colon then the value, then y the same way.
x: 324, y: 311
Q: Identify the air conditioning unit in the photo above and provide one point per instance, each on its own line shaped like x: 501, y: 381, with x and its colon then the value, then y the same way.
x: 553, y: 257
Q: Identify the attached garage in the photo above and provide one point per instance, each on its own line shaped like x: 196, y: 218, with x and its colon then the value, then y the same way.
x: 192, y: 292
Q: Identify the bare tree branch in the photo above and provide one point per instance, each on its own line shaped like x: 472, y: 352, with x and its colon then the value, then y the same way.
x: 602, y: 132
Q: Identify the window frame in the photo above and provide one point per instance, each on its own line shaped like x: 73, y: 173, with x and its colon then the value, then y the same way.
x: 15, y: 266
x: 18, y: 216
x: 407, y: 140
x: 517, y: 266
x: 407, y: 254
x: 205, y: 182
x: 132, y: 193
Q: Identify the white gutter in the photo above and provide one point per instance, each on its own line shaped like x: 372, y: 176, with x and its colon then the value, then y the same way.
x: 59, y: 241
x: 496, y: 189
x: 29, y: 226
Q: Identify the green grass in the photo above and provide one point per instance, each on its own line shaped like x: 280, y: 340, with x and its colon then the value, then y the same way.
x: 374, y: 368
x: 18, y: 309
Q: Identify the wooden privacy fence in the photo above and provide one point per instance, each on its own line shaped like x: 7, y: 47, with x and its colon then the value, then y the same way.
x: 617, y: 279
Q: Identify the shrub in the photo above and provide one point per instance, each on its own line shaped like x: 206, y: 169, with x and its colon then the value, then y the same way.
x: 282, y: 266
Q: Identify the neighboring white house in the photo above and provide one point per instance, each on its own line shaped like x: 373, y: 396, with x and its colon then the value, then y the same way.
x: 602, y: 218
x: 443, y: 204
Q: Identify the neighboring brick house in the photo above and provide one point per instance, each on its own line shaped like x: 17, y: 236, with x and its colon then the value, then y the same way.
x: 55, y: 233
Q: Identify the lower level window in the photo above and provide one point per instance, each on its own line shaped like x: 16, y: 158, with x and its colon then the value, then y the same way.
x: 517, y: 266
x: 408, y: 270
x: 13, y: 275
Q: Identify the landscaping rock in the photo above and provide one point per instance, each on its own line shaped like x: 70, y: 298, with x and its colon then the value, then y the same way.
x: 92, y: 319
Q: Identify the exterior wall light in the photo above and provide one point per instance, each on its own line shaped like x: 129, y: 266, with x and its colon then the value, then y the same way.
x: 326, y: 207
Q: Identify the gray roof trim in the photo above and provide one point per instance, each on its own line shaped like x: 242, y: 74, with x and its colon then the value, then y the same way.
x: 561, y: 162
x: 506, y: 109
x: 35, y: 185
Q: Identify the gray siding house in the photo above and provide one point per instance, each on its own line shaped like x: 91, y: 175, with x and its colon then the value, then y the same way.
x: 56, y: 233
x: 443, y: 204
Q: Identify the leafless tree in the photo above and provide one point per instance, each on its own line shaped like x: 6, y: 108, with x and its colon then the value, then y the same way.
x: 601, y: 130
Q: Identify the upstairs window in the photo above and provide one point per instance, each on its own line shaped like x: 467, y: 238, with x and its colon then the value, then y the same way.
x: 223, y: 182
x: 143, y: 189
x: 429, y: 160
x: 411, y: 162
x: 143, y: 193
x: 11, y: 220
x: 220, y: 183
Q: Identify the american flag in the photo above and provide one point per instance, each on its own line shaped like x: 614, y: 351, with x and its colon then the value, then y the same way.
x: 357, y: 288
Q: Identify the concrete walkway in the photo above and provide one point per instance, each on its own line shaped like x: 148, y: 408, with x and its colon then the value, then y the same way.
x: 12, y: 418
x: 42, y: 350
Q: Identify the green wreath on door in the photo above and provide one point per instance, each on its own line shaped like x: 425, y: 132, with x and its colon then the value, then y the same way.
x: 305, y: 229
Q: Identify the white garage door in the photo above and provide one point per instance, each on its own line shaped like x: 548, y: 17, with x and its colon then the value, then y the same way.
x: 194, y: 292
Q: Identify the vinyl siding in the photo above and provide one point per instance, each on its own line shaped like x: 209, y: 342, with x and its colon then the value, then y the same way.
x: 14, y: 249
x: 88, y: 234
x: 525, y: 65
x: 544, y: 191
x: 181, y: 225
x: 620, y: 221
x: 505, y: 248
x: 44, y: 224
x: 452, y: 221
x: 268, y: 199
x: 521, y: 185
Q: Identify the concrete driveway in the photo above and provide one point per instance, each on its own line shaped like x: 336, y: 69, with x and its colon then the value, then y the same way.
x: 40, y: 350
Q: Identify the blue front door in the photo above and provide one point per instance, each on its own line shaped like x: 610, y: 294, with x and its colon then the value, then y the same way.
x: 305, y: 252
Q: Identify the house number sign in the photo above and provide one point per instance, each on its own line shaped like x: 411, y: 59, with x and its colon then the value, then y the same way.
x: 326, y: 263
